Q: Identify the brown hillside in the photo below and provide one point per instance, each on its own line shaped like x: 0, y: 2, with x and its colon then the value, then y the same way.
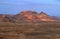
x: 29, y: 16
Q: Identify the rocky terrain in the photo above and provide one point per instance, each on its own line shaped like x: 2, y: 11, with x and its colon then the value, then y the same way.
x: 29, y: 25
x: 29, y: 16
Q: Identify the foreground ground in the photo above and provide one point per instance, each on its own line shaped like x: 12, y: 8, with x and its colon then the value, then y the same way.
x: 29, y: 30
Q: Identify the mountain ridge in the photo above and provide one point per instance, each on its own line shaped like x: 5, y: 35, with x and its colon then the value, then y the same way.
x: 29, y: 16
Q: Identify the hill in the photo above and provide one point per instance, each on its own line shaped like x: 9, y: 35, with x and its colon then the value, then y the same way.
x: 29, y: 25
x: 29, y: 16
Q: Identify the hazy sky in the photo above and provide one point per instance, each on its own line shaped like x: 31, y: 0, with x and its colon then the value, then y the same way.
x: 51, y: 7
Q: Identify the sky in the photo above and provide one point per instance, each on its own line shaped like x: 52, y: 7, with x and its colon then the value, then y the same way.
x: 51, y: 7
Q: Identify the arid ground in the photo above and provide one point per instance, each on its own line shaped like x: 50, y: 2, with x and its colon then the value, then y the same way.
x: 29, y: 25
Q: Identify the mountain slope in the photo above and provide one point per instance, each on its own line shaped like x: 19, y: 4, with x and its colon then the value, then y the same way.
x: 32, y: 16
x: 29, y: 16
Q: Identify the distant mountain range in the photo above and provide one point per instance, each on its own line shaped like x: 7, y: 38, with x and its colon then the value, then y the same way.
x: 29, y: 16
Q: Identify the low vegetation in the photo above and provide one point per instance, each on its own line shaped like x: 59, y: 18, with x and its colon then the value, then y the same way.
x: 42, y: 30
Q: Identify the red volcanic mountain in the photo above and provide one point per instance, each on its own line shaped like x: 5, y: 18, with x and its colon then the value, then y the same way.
x: 32, y: 16
x: 44, y: 17
x: 29, y: 16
